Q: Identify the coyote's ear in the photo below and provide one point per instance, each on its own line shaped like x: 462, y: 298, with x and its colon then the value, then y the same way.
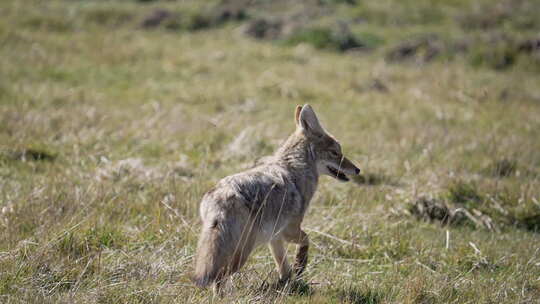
x: 297, y: 114
x: 309, y: 122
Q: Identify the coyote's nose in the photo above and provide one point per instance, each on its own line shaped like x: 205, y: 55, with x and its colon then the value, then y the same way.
x: 357, y: 171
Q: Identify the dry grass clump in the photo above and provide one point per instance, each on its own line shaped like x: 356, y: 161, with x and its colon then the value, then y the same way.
x: 434, y: 210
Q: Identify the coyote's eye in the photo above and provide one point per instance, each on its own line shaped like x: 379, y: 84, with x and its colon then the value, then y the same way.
x: 334, y: 153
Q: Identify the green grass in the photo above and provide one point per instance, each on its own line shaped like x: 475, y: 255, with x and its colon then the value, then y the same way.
x: 110, y: 133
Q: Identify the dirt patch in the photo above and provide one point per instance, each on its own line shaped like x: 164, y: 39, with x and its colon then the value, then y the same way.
x: 419, y: 50
x: 275, y: 28
x: 155, y: 18
x: 232, y: 10
x: 196, y: 20
x: 265, y: 29
x: 529, y: 45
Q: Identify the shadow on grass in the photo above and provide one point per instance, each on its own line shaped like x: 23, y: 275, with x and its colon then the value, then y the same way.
x: 353, y: 295
x: 501, y: 168
x: 358, y: 296
x: 293, y: 287
x: 29, y: 154
x: 508, y: 167
x: 530, y: 223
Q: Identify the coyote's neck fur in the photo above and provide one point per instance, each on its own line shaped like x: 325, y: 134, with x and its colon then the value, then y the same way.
x: 298, y: 158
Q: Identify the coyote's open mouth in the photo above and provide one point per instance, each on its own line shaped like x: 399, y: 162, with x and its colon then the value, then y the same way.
x: 338, y: 174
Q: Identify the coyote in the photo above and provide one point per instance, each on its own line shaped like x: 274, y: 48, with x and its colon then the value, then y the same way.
x: 267, y: 203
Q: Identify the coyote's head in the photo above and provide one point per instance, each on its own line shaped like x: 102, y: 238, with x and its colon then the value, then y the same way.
x: 324, y: 147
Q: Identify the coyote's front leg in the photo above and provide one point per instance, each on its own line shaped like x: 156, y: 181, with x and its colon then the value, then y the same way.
x: 299, y: 237
x: 280, y: 257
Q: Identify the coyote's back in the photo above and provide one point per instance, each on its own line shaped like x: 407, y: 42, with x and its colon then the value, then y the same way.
x: 244, y: 210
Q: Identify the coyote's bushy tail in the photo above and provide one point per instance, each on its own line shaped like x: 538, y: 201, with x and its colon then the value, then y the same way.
x: 214, y: 252
x: 209, y: 263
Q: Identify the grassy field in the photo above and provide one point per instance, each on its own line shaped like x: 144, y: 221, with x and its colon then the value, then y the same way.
x: 112, y: 127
